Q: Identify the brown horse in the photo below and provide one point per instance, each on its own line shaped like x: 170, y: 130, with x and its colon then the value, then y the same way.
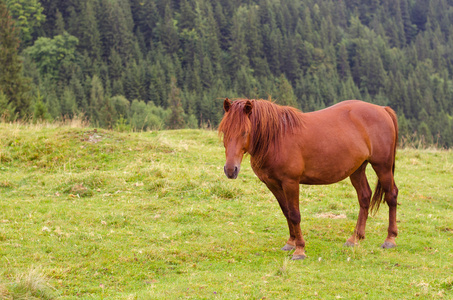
x: 288, y: 148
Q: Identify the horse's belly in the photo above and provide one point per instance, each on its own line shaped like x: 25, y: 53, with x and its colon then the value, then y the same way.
x: 318, y: 180
x: 326, y: 172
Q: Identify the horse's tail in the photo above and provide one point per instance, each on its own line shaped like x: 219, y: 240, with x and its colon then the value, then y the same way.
x: 379, y: 191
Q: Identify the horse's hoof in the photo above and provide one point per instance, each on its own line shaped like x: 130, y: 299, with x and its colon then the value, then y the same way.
x: 298, y: 257
x: 288, y: 247
x: 388, y: 245
x: 349, y: 244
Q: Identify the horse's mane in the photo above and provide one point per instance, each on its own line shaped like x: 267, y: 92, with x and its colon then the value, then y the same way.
x: 267, y: 125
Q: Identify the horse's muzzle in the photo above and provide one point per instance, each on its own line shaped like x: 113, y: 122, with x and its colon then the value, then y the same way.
x: 231, y: 173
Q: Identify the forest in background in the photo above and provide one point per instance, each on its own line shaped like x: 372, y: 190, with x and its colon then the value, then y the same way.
x: 151, y: 64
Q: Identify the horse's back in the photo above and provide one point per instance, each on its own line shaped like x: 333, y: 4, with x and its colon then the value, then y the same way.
x: 355, y: 119
x: 356, y: 106
x: 356, y: 115
x: 335, y: 141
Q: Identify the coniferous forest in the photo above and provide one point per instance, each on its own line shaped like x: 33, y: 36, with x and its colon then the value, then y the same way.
x: 150, y: 64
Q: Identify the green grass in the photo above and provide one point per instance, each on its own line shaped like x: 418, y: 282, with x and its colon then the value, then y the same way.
x: 107, y: 215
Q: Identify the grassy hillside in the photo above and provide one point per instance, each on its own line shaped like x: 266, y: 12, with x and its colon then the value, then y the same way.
x: 106, y: 215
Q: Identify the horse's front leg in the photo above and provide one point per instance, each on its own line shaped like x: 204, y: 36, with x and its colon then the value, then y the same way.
x: 291, y: 191
x: 277, y: 190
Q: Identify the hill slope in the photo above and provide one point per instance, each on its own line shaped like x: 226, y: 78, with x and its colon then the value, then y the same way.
x: 100, y: 214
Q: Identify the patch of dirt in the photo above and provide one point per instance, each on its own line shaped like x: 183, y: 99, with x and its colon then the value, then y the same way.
x: 78, y: 188
x: 91, y: 136
x: 330, y: 215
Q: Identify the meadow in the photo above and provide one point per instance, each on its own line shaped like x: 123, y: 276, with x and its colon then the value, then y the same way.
x: 97, y: 214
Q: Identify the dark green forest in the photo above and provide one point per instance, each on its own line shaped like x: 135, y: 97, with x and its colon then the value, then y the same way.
x: 150, y: 64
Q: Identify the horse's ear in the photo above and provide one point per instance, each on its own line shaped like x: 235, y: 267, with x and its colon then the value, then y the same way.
x: 226, y: 104
x: 248, y: 107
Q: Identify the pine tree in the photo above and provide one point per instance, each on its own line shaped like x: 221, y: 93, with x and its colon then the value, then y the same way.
x: 6, y: 108
x: 13, y: 85
x: 207, y: 73
x: 285, y: 94
x: 273, y: 53
x: 40, y: 111
x: 344, y: 69
x: 97, y: 99
x: 424, y: 132
x: 135, y: 85
x: 68, y: 104
x: 409, y: 29
x: 193, y: 77
x: 76, y: 87
x: 307, y: 25
x: 146, y: 17
x: 245, y: 83
x: 176, y: 118
x: 419, y: 13
x: 255, y: 44
x: 238, y: 47
x: 187, y: 16
x: 157, y: 88
x: 211, y: 40
x: 115, y: 30
x: 87, y: 30
x: 168, y: 32
x: 59, y: 23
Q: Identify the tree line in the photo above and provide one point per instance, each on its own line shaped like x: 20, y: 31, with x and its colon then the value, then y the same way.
x: 147, y: 64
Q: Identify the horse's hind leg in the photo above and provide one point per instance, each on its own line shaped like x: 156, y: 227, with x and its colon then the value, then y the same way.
x: 391, y: 196
x: 360, y: 183
x: 387, y: 182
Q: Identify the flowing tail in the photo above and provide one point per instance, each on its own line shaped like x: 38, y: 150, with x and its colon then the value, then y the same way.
x: 379, y: 191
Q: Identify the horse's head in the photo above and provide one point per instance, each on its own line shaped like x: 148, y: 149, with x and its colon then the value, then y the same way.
x: 235, y: 127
